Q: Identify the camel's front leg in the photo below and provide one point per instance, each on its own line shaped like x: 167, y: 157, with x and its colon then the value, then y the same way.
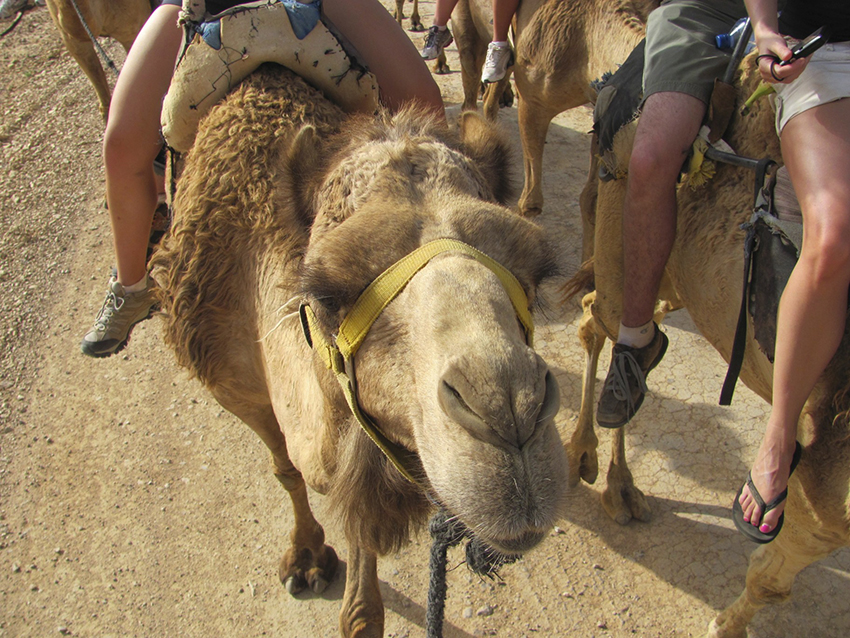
x: 773, y: 568
x: 621, y: 499
x: 415, y: 20
x: 581, y: 452
x: 496, y: 96
x: 534, y: 122
x: 308, y: 562
x: 362, y: 613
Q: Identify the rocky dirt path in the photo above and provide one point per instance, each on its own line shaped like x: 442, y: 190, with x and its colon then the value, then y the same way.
x: 132, y: 505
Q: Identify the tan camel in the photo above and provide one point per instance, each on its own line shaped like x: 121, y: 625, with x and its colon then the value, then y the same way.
x: 299, y: 214
x: 120, y: 20
x: 415, y: 20
x: 561, y: 48
x: 705, y: 275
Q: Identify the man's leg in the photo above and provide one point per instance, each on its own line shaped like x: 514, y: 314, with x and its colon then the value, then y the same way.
x: 668, y: 125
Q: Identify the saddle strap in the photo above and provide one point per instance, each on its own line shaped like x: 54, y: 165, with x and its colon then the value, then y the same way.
x: 739, y: 343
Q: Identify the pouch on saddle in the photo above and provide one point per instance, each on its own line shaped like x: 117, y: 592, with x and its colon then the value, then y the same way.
x: 224, y: 49
x: 778, y: 237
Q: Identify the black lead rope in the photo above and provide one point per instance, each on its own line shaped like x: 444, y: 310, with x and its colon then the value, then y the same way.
x: 447, y: 531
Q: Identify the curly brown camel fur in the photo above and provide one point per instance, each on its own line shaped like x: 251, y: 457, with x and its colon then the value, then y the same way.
x: 311, y: 205
x: 704, y: 273
x: 120, y: 20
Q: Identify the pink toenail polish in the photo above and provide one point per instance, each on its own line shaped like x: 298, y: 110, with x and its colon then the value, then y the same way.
x: 765, y: 529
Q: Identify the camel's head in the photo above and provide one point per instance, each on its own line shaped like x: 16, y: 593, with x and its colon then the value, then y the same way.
x: 447, y: 370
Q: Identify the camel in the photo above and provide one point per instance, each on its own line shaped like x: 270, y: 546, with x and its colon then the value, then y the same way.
x: 120, y: 20
x: 310, y: 205
x: 562, y: 47
x: 415, y: 20
x: 704, y: 274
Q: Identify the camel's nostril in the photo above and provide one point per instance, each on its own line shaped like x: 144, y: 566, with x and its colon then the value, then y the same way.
x: 551, y: 400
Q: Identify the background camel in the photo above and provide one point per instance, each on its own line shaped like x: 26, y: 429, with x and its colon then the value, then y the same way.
x: 705, y: 272
x: 561, y: 48
x: 472, y: 27
x: 415, y: 20
x: 118, y: 19
x: 299, y: 215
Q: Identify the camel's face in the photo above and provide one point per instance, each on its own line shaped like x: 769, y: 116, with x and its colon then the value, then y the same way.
x: 447, y: 372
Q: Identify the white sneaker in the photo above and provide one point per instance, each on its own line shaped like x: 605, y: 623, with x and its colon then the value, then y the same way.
x: 499, y: 58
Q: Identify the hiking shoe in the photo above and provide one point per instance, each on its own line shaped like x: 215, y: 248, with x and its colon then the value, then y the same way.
x: 121, y: 310
x: 499, y: 58
x: 435, y: 42
x: 625, y: 385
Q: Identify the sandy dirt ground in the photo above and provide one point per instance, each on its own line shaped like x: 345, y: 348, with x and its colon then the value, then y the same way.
x: 131, y: 504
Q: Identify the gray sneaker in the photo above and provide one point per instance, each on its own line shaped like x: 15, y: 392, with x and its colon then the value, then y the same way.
x: 435, y: 42
x: 121, y: 310
x: 499, y: 58
x: 625, y: 385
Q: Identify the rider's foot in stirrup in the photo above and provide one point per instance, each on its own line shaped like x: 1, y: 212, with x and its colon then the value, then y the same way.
x: 121, y: 310
x: 436, y: 40
x: 499, y: 58
x: 625, y: 385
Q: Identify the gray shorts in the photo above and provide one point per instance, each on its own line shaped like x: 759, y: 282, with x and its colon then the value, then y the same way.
x: 681, y: 53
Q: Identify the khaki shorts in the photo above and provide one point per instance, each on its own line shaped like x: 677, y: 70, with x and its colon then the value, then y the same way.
x: 825, y: 79
x: 681, y: 53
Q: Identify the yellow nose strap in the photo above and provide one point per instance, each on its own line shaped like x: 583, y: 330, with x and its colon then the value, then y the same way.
x: 339, y: 356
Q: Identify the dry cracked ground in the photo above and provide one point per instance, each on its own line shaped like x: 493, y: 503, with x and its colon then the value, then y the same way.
x: 132, y: 505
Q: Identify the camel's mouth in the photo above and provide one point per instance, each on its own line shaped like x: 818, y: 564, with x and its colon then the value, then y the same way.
x: 517, y: 545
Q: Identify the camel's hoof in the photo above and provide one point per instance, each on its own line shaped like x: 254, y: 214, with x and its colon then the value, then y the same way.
x: 717, y: 630
x: 319, y: 585
x: 625, y: 504
x: 530, y: 212
x: 294, y: 585
x: 417, y: 28
x: 442, y: 70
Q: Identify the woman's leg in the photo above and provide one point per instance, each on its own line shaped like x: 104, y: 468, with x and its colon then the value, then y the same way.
x: 387, y: 51
x: 443, y: 12
x: 816, y: 150
x: 503, y: 15
x: 130, y: 145
x: 133, y: 139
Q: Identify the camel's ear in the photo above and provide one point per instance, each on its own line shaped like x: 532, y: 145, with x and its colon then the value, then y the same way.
x: 486, y: 145
x: 302, y: 163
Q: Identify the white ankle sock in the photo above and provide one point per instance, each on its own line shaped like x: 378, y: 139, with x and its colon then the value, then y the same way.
x: 502, y: 44
x: 138, y: 286
x: 637, y: 337
x: 441, y: 28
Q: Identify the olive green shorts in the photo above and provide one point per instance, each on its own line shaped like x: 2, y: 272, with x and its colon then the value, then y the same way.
x: 681, y: 53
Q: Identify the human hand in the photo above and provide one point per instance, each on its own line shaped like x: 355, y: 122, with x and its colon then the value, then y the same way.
x: 773, y: 50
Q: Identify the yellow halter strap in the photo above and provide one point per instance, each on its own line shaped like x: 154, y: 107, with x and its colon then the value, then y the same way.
x: 338, y: 355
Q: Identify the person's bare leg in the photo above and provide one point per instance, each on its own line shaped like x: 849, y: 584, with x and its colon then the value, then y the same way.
x: 392, y: 57
x: 503, y: 15
x: 132, y: 139
x: 816, y: 150
x: 443, y: 12
x: 667, y: 127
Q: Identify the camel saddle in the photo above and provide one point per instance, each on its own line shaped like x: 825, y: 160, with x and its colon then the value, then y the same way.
x: 219, y: 51
x: 774, y: 232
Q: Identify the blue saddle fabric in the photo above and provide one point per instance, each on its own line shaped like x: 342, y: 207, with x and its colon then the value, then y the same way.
x: 302, y: 16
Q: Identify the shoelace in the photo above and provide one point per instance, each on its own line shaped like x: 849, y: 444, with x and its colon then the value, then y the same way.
x: 624, y: 362
x: 111, y: 305
x: 431, y: 39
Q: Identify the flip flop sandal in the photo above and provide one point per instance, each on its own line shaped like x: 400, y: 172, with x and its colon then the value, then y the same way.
x: 748, y: 529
